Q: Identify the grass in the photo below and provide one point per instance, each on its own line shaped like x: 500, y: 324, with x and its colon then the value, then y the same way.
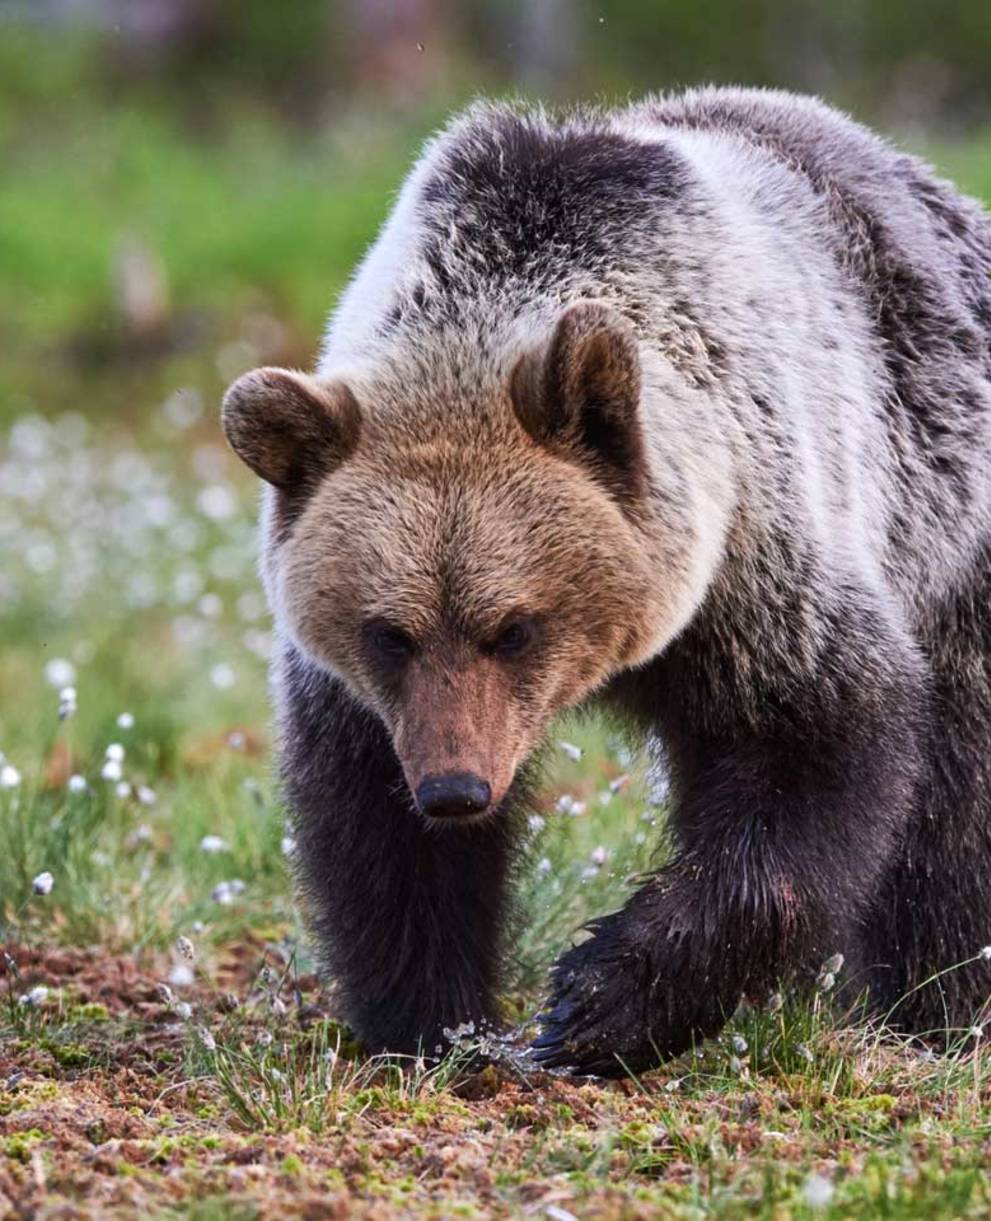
x: 137, y: 1079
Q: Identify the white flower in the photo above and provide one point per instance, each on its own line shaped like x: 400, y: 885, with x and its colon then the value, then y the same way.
x: 146, y: 795
x: 818, y: 1191
x: 213, y: 843
x: 544, y: 865
x: 803, y: 1053
x: 125, y: 720
x: 573, y: 752
x: 76, y: 784
x: 218, y: 501
x: 224, y: 893
x: 115, y: 752
x: 67, y: 703
x: 123, y: 790
x: 222, y: 676
x: 141, y: 834
x: 276, y: 1075
x: 10, y: 777
x: 111, y: 770
x: 833, y: 965
x: 976, y: 1031
x: 288, y: 845
x: 210, y: 606
x: 599, y: 855
x: 554, y: 1211
x: 185, y: 948
x: 60, y: 672
x: 37, y: 996
x: 739, y: 1043
x: 985, y: 953
x: 180, y: 975
x: 43, y: 883
x: 535, y: 823
x: 183, y: 1010
x: 206, y: 1038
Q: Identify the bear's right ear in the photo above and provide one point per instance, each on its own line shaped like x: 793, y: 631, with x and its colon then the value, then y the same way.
x: 290, y: 428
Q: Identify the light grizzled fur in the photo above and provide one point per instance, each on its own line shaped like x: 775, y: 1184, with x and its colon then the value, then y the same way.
x: 812, y: 311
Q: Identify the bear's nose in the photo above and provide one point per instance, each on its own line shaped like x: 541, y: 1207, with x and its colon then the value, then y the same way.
x: 453, y: 794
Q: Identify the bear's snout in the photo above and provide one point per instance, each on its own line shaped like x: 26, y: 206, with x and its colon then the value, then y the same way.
x: 453, y: 795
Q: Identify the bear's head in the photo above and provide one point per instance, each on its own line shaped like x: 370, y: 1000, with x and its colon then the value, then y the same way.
x: 466, y: 586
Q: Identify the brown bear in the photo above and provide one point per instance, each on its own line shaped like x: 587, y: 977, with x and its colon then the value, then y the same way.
x: 683, y: 409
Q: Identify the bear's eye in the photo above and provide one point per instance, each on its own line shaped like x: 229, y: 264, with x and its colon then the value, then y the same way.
x: 515, y: 638
x: 389, y: 644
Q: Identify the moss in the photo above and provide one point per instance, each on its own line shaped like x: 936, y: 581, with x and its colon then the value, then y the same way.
x: 69, y: 1055
x: 19, y: 1144
x: 90, y: 1012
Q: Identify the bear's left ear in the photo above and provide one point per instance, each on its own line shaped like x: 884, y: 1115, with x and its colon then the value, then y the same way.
x: 580, y: 395
x: 290, y: 428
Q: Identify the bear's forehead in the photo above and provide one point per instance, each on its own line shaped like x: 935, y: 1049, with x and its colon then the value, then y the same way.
x: 468, y: 540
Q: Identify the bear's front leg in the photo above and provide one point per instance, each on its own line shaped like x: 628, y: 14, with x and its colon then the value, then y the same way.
x: 407, y: 918
x: 779, y: 842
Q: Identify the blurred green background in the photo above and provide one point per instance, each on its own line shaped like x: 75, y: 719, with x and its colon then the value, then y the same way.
x: 184, y: 184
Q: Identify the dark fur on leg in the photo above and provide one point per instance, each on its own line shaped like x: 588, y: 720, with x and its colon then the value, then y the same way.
x: 934, y: 910
x: 782, y: 831
x: 407, y: 917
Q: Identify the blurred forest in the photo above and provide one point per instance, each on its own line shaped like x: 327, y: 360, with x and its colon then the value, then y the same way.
x: 905, y: 62
x: 186, y: 184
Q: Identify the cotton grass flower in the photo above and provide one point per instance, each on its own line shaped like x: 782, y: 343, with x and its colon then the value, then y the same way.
x: 125, y: 720
x: 288, y: 845
x: 10, y: 777
x: 115, y: 752
x: 180, y: 975
x: 111, y: 770
x: 60, y: 672
x: 206, y: 1038
x: 985, y: 953
x: 222, y: 676
x: 76, y: 783
x: 212, y: 844
x: 43, y: 883
x: 35, y: 998
x: 818, y: 1191
x: 573, y: 752
x: 146, y: 795
x: 66, y: 703
x: 225, y: 893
